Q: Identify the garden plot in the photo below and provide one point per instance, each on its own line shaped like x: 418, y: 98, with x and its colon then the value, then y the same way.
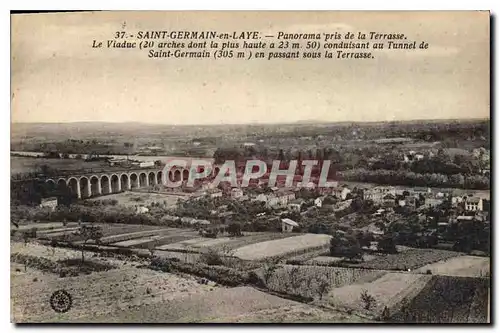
x: 286, y: 246
x: 389, y: 290
x: 459, y: 266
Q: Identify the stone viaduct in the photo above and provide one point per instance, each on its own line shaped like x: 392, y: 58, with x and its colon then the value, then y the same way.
x: 86, y: 184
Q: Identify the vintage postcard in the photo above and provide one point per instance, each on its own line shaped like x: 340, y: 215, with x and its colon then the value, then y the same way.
x: 250, y: 167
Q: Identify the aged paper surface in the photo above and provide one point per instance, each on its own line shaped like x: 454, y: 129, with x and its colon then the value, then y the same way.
x: 296, y: 167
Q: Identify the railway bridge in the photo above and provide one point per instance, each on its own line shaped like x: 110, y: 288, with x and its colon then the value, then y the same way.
x: 92, y: 183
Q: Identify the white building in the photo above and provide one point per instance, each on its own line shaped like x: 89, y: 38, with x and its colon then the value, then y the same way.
x: 318, y: 202
x: 341, y: 192
x: 287, y: 225
x: 473, y: 204
x: 141, y: 210
x: 49, y: 202
x: 147, y: 164
x: 214, y: 193
x: 236, y: 193
x: 378, y: 193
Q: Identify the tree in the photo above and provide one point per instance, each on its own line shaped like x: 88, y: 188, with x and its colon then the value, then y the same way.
x: 295, y: 278
x: 152, y: 247
x: 89, y: 232
x: 387, y: 244
x: 323, y: 287
x: 234, y: 229
x: 345, y: 245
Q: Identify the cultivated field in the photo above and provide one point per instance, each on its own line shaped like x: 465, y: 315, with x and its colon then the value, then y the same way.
x: 282, y: 247
x: 449, y: 299
x: 409, y: 259
x: 94, y: 295
x: 228, y: 243
x: 388, y: 290
x: 305, y: 280
x: 459, y: 266
x: 240, y: 304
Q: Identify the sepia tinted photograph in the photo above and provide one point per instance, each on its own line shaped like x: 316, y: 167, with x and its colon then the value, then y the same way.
x: 322, y: 167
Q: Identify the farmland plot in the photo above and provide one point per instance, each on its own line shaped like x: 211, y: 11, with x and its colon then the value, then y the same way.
x: 97, y: 294
x: 409, y: 259
x: 134, y: 235
x: 449, y: 299
x: 389, y: 290
x: 252, y: 238
x: 145, y: 242
x: 285, y: 246
x: 304, y: 280
x: 459, y: 266
x: 223, y: 305
x: 183, y: 245
x: 45, y: 226
x: 108, y: 230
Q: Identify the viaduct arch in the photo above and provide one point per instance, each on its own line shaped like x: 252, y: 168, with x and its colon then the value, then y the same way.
x: 101, y: 183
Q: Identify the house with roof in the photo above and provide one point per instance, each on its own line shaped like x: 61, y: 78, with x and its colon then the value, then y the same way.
x: 378, y: 193
x: 432, y: 202
x: 389, y: 200
x: 295, y: 205
x: 341, y: 192
x: 214, y: 193
x: 473, y: 204
x: 287, y: 225
x: 410, y: 202
x: 416, y: 191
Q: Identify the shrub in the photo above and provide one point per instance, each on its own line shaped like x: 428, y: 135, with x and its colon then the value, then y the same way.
x: 212, y: 257
x: 429, y: 272
x: 367, y: 299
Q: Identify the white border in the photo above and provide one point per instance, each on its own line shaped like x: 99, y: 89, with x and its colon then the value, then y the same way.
x: 185, y: 5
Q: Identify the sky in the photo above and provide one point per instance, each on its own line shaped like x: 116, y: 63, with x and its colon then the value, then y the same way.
x: 56, y: 76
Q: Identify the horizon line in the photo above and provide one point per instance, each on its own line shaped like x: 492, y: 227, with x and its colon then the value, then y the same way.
x: 298, y: 122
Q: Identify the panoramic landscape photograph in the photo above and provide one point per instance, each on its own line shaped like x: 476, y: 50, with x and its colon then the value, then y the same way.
x: 248, y: 191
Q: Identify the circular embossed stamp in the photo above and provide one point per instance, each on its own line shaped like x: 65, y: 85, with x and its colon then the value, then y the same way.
x: 61, y: 301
